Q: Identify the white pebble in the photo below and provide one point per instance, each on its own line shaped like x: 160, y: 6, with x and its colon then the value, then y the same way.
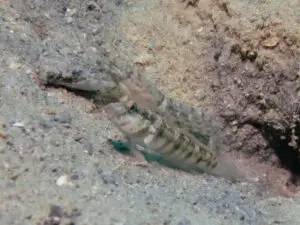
x: 63, y: 180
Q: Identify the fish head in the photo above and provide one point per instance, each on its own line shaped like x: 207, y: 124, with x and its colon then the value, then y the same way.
x: 126, y: 119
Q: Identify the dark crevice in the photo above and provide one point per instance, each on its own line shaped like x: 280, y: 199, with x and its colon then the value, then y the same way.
x: 89, y: 95
x: 279, y: 141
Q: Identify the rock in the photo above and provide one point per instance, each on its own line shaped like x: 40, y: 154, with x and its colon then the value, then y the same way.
x: 55, y: 211
x: 270, y: 42
x: 63, y: 117
x: 55, y: 214
x: 251, y: 55
x: 64, y: 180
